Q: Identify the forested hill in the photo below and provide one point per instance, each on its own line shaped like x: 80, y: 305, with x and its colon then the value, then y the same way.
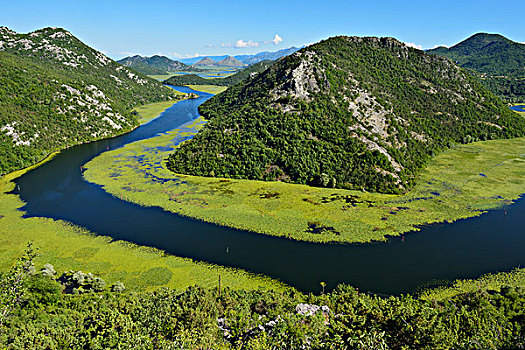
x: 498, y: 62
x: 491, y: 54
x: 348, y: 112
x: 155, y: 65
x: 55, y: 91
x: 193, y: 79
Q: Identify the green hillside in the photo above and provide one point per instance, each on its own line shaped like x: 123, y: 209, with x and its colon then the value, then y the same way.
x: 498, y: 62
x: 348, y: 112
x: 155, y: 65
x: 491, y: 54
x: 56, y: 92
x: 193, y: 79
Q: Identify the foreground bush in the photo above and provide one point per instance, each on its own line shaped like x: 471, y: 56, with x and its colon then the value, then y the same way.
x: 199, y: 318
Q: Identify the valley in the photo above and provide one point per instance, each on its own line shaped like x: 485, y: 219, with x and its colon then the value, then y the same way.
x: 121, y: 220
x: 448, y: 189
x: 67, y: 246
x: 354, y: 193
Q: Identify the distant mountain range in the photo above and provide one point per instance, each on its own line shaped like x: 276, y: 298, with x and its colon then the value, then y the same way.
x: 155, y: 65
x: 228, y: 61
x: 246, y: 59
x: 55, y: 92
x: 161, y: 65
x: 263, y: 56
x: 497, y: 61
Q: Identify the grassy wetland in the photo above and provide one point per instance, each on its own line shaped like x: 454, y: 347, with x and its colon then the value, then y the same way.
x: 461, y: 182
x: 67, y: 246
x: 211, y: 89
x: 514, y: 278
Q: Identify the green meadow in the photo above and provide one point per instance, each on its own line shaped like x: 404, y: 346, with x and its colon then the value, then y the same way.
x: 69, y: 247
x: 461, y: 182
x: 161, y: 77
x: 211, y: 89
x: 151, y: 111
x: 514, y: 278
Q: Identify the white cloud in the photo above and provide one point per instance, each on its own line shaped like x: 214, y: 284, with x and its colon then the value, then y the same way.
x: 209, y: 45
x: 442, y: 45
x: 415, y: 46
x: 178, y: 55
x: 242, y: 44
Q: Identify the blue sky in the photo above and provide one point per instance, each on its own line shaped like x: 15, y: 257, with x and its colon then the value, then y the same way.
x: 186, y: 28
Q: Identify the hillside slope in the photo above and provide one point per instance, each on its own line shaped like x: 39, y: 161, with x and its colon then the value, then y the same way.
x: 498, y: 62
x: 230, y: 62
x: 348, y: 112
x: 227, y: 62
x: 56, y: 92
x: 205, y: 62
x: 193, y: 79
x: 155, y: 65
x: 491, y: 54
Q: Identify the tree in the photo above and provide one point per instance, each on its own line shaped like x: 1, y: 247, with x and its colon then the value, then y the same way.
x: 12, y: 283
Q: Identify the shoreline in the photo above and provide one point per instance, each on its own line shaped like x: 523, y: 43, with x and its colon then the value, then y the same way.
x: 140, y: 268
x: 288, y: 208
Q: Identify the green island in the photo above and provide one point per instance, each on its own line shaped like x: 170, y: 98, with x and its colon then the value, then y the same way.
x: 161, y: 76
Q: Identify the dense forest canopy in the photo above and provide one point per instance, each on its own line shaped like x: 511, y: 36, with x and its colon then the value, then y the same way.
x: 348, y: 112
x: 55, y: 92
x: 498, y: 62
x: 156, y: 65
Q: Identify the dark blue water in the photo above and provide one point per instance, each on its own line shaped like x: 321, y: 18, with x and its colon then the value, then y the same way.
x: 520, y: 108
x: 465, y: 249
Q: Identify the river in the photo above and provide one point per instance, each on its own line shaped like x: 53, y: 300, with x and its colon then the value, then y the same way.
x: 465, y: 249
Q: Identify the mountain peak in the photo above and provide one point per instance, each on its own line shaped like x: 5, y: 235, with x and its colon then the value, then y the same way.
x: 487, y: 53
x: 155, y: 64
x: 66, y: 93
x: 348, y: 112
x: 230, y: 62
x: 206, y: 61
x: 6, y: 30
